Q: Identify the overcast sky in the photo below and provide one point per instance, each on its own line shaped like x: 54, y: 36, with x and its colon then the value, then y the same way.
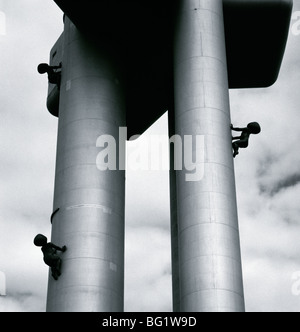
x: 267, y: 177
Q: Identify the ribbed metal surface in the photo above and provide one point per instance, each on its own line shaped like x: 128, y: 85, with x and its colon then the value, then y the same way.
x: 209, y: 249
x: 90, y: 220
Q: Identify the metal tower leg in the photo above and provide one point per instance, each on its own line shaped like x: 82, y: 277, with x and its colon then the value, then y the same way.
x: 210, y: 270
x: 90, y: 220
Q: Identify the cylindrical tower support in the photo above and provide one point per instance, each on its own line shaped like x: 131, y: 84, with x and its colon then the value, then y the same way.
x: 90, y: 220
x: 210, y: 270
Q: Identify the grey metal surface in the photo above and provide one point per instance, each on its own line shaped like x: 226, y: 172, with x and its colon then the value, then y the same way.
x: 56, y: 57
x: 210, y: 270
x: 90, y: 220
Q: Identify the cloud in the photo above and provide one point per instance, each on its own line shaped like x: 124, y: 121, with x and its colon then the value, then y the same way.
x: 148, y: 270
x: 268, y: 286
x: 22, y: 302
x: 27, y: 151
x: 2, y: 284
x: 289, y: 181
x: 269, y: 231
x: 148, y: 248
x: 278, y: 170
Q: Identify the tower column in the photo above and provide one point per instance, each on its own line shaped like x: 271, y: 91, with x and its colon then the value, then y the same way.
x: 90, y: 219
x: 210, y: 272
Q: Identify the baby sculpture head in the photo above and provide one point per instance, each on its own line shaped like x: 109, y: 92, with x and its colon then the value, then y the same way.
x: 40, y: 240
x: 254, y: 128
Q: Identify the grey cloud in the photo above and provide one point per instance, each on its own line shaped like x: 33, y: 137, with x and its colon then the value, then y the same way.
x: 265, y: 164
x: 277, y: 186
x: 21, y: 296
x: 22, y: 302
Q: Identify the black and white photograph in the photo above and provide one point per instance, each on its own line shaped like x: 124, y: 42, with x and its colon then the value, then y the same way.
x: 150, y: 157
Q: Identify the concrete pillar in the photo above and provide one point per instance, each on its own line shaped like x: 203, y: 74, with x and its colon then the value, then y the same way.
x: 210, y: 270
x: 90, y: 220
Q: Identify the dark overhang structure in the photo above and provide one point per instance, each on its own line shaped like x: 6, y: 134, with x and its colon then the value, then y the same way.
x: 139, y: 34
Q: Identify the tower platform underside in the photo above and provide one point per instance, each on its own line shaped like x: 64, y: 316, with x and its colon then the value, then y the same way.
x: 140, y: 35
